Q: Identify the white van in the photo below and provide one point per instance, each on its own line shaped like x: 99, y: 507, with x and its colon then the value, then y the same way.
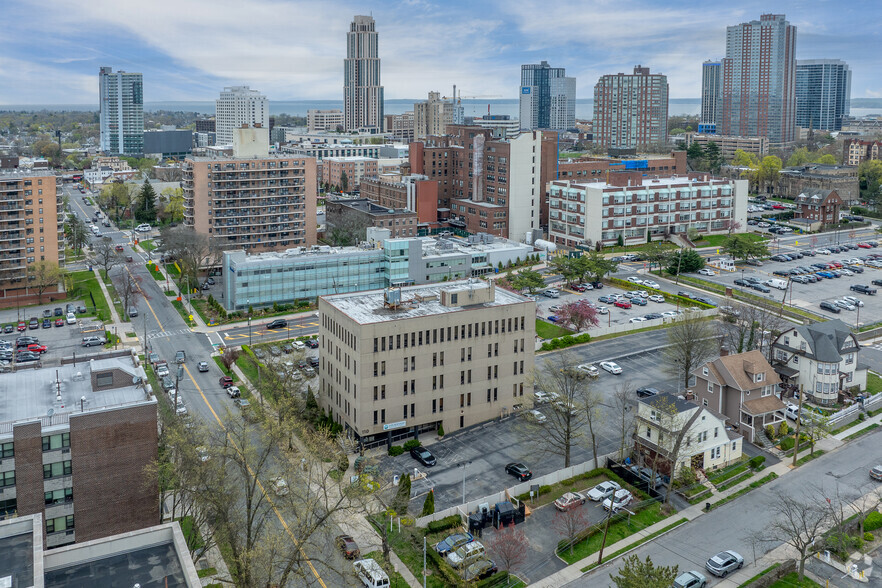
x: 552, y: 293
x: 371, y: 574
x: 466, y: 555
x: 774, y: 283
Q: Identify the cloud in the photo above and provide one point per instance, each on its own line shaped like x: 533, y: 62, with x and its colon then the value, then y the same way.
x: 26, y: 82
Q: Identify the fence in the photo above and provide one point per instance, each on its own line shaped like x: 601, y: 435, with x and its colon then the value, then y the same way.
x: 463, y: 510
x: 843, y: 414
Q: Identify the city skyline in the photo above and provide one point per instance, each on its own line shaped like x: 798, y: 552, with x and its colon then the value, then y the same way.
x: 293, y: 50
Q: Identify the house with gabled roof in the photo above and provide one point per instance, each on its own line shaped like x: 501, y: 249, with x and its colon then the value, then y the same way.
x: 744, y: 388
x: 821, y: 359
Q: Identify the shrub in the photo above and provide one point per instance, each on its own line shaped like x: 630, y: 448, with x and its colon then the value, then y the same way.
x: 757, y: 462
x: 343, y: 462
x: 770, y: 431
x: 450, y: 578
x: 787, y: 443
x: 873, y: 521
x: 568, y: 482
x: 396, y: 450
x: 783, y: 429
x: 412, y: 444
x: 444, y: 524
x: 868, y: 536
x: 862, y: 417
x: 429, y: 504
x: 440, y: 430
x: 687, y: 477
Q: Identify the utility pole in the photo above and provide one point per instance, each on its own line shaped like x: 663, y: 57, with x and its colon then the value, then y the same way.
x: 606, y: 529
x: 798, y: 422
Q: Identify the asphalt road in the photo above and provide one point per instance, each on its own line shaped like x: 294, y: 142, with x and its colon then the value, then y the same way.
x: 842, y: 472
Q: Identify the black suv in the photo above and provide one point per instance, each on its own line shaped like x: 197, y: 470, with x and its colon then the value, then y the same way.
x: 646, y: 392
x: 278, y: 324
x: 519, y: 471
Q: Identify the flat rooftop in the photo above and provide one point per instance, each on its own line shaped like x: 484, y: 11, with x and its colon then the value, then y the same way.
x: 32, y: 393
x: 417, y: 301
x: 156, y: 565
x: 646, y: 182
x: 17, y: 556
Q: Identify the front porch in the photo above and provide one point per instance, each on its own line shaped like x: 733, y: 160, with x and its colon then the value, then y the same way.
x: 757, y: 414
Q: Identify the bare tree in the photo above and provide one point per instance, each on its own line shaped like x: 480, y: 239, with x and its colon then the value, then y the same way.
x: 44, y: 275
x: 814, y: 427
x: 105, y: 255
x: 797, y: 521
x: 623, y: 401
x: 345, y: 227
x: 194, y: 252
x: 565, y: 421
x: 128, y: 286
x: 509, y: 547
x: 569, y: 523
x: 692, y: 340
x: 591, y: 402
x: 667, y: 429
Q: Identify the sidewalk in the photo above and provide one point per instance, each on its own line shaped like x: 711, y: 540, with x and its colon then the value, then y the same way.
x: 573, y: 572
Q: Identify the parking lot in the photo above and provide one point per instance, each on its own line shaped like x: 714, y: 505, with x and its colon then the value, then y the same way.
x: 610, y: 313
x: 60, y: 341
x: 809, y: 295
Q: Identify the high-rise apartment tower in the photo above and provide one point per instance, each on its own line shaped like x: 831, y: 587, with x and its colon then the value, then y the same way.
x: 823, y: 93
x: 711, y: 85
x: 631, y: 110
x: 121, y: 106
x: 362, y: 92
x: 548, y: 98
x: 237, y: 106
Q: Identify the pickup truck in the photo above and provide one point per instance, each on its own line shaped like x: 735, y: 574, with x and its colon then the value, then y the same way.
x: 863, y: 289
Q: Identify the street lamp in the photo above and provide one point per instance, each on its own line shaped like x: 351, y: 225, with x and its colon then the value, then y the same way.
x: 463, y: 467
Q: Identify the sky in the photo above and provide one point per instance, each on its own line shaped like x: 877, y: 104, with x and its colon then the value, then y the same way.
x: 188, y: 50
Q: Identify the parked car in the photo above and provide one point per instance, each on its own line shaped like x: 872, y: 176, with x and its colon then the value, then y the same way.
x: 690, y: 579
x: 830, y: 307
x: 143, y: 228
x: 707, y: 272
x: 37, y: 348
x: 611, y: 366
x: 863, y: 289
x: 536, y: 416
x: 541, y: 397
x: 71, y: 318
x: 876, y: 472
x: 453, y: 542
x: 348, y: 546
x: 569, y: 500
x: 424, y: 456
x: 589, y: 370
x: 603, y: 490
x: 225, y: 381
x: 656, y: 298
x: 233, y: 392
x: 311, y: 343
x: 552, y: 293
x: 647, y: 392
x: 180, y: 356
x: 59, y: 322
x: 202, y: 366
x: 723, y: 563
x: 619, y: 500
x: 483, y: 568
x: 623, y: 303
x: 161, y: 369
x: 93, y: 340
x: 519, y: 471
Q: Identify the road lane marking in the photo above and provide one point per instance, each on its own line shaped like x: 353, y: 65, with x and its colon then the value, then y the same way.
x: 147, y: 302
x: 262, y: 489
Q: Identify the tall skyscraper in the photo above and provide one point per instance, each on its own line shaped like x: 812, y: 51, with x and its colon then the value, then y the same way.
x: 823, y: 93
x: 631, y: 111
x: 237, y: 106
x: 432, y: 116
x: 759, y: 75
x: 121, y: 107
x: 711, y: 77
x: 362, y: 92
x: 548, y: 98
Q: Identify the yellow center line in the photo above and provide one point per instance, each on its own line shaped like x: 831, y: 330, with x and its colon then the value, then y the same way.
x: 144, y: 294
x: 262, y: 489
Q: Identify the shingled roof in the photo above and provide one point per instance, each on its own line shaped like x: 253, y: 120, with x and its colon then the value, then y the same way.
x: 826, y: 339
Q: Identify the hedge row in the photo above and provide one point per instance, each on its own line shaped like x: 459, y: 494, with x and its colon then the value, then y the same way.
x: 565, y: 341
x: 668, y: 296
x: 444, y: 524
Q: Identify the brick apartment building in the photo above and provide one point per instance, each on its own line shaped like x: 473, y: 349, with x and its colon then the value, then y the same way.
x: 82, y: 466
x: 819, y: 205
x: 31, y: 231
x: 636, y: 208
x: 857, y: 151
x: 793, y: 181
x: 401, y: 222
x: 355, y: 168
x: 251, y: 200
x: 489, y: 185
x: 396, y: 363
x: 399, y: 191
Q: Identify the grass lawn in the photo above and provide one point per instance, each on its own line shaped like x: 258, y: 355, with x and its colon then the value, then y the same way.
x: 147, y: 245
x: 617, y: 531
x: 862, y: 432
x: 246, y: 363
x: 649, y: 537
x: 578, y: 483
x: 818, y: 453
x: 718, y: 240
x: 85, y: 283
x: 548, y: 330
x: 179, y: 305
x: 408, y: 546
x: 191, y: 533
x: 206, y: 572
x: 759, y: 575
x: 155, y: 272
x: 743, y: 491
x: 717, y: 478
x: 874, y: 383
x: 792, y: 581
x: 634, y: 248
x: 172, y: 269
x: 223, y: 368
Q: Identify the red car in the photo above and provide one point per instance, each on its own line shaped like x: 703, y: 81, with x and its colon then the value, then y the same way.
x: 59, y: 322
x: 778, y: 206
x: 119, y: 248
x: 580, y: 288
x: 865, y: 246
x: 22, y: 326
x: 37, y: 348
x: 623, y: 303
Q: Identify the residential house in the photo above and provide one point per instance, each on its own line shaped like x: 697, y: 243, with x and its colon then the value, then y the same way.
x: 705, y: 442
x: 821, y: 359
x: 744, y: 388
x: 819, y: 205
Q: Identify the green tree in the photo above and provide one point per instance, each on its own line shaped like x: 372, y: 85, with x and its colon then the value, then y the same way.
x: 745, y: 159
x: 402, y: 497
x: 146, y: 212
x: 695, y: 152
x: 620, y: 241
x: 644, y: 574
x: 743, y: 247
x: 44, y: 275
x: 870, y: 176
x: 344, y: 182
x: 768, y: 171
x: 656, y: 253
x: 827, y: 159
x: 713, y: 157
x: 595, y: 266
x: 173, y: 204
x: 566, y: 266
x: 799, y: 157
x: 685, y: 261
x: 77, y: 234
x: 528, y: 280
x: 429, y: 504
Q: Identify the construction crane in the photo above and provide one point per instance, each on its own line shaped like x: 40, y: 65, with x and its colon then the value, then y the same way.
x: 458, y: 97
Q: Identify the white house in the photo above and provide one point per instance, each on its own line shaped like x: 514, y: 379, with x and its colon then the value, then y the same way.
x: 671, y: 428
x: 821, y: 359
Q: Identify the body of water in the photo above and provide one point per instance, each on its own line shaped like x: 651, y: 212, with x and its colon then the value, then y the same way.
x: 584, y: 107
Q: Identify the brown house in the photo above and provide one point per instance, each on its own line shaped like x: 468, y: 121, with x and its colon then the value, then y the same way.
x: 744, y: 388
x: 819, y: 205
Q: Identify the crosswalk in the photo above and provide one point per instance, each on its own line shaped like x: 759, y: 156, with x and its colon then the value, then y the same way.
x: 877, y: 346
x: 165, y: 334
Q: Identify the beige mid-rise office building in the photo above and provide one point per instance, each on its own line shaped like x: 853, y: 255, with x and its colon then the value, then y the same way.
x: 402, y: 361
x: 251, y: 200
x: 31, y: 231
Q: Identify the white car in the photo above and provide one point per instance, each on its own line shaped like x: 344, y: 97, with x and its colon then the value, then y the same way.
x: 588, y: 370
x: 536, y: 416
x: 143, y: 228
x: 670, y: 314
x: 853, y: 300
x: 603, y: 490
x: 656, y: 298
x: 618, y: 501
x: 763, y: 225
x: 642, y: 293
x: 846, y: 272
x: 602, y: 310
x: 71, y: 318
x: 540, y: 397
x: 845, y: 304
x: 637, y: 319
x: 280, y: 486
x: 707, y: 272
x: 611, y: 366
x: 651, y: 284
x: 635, y: 280
x: 824, y: 251
x: 299, y: 345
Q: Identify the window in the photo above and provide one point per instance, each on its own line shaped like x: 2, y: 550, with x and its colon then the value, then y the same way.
x: 60, y: 524
x: 59, y: 496
x: 103, y: 380
x: 760, y: 377
x: 51, y: 442
x: 648, y: 433
x: 710, y: 387
x: 59, y: 468
x: 849, y: 358
x: 704, y: 371
x: 7, y: 450
x: 7, y: 479
x: 716, y: 432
